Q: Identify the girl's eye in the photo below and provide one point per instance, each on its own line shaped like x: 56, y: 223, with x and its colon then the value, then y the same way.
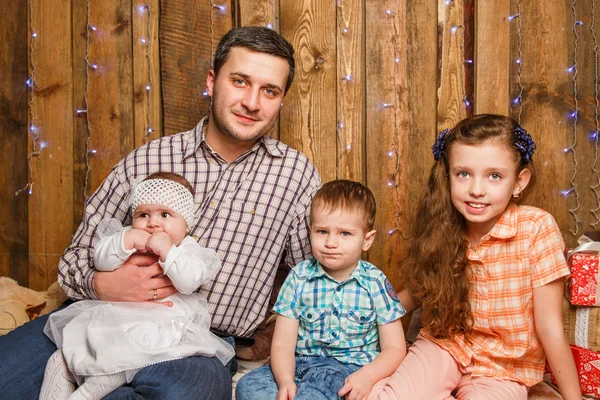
x: 495, y: 176
x: 462, y: 174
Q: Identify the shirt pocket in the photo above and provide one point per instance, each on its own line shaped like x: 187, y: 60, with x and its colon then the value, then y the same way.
x: 359, y: 322
x: 314, y: 321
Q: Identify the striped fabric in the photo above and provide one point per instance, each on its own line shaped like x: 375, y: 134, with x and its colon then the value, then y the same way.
x: 338, y: 320
x: 524, y: 250
x: 251, y: 211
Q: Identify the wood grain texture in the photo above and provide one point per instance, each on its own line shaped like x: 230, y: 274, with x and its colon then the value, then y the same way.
x: 308, y: 116
x: 493, y: 58
x: 350, y: 91
x: 51, y: 201
x: 189, y: 33
x: 110, y: 87
x: 452, y: 80
x: 387, y: 115
x: 545, y: 108
x: 13, y: 146
x: 147, y: 107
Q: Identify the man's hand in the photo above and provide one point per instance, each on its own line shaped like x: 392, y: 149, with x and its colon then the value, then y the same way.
x: 287, y: 391
x: 357, y: 386
x: 134, y: 281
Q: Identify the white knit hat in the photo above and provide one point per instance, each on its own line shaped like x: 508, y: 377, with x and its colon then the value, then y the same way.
x: 164, y: 192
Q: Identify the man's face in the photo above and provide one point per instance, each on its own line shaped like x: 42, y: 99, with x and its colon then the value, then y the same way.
x: 247, y: 95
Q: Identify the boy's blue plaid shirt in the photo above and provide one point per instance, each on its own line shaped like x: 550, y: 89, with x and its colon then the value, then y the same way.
x: 338, y: 320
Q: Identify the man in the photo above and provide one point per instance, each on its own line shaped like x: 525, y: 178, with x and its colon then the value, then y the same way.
x: 252, y: 196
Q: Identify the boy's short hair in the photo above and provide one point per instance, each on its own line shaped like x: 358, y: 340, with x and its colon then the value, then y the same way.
x: 348, y: 196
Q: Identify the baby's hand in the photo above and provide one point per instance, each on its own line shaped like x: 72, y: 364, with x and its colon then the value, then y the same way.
x: 357, y: 386
x: 287, y: 391
x: 159, y: 243
x: 136, y: 239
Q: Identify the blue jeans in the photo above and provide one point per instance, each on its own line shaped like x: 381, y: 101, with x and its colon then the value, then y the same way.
x: 316, y: 378
x: 25, y: 351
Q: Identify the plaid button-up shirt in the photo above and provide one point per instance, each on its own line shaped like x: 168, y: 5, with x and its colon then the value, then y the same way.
x: 252, y: 211
x: 338, y: 319
x: 523, y: 251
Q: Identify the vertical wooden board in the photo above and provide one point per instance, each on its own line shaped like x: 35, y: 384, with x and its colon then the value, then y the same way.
x: 81, y: 191
x: 452, y: 79
x: 146, y: 71
x: 350, y: 90
x: 308, y: 116
x: 545, y: 109
x: 261, y: 13
x: 422, y: 92
x: 110, y: 87
x: 189, y: 33
x: 581, y: 44
x: 13, y: 146
x: 492, y: 58
x: 387, y: 112
x: 593, y: 15
x: 50, y: 204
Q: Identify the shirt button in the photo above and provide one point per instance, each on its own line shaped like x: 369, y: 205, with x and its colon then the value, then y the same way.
x: 337, y: 289
x: 213, y: 203
x: 335, y: 312
x: 334, y: 334
x: 362, y: 318
x: 309, y: 315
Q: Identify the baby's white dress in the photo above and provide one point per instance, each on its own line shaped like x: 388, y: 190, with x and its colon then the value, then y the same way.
x: 101, y: 338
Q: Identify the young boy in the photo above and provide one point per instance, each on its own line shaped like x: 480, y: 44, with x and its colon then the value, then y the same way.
x: 338, y: 330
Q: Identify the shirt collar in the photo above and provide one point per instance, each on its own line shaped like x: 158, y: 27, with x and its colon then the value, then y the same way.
x: 506, y: 226
x: 274, y: 147
x: 315, y: 271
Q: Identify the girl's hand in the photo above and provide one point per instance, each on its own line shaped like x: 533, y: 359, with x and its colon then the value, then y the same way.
x: 357, y: 386
x: 159, y: 243
x: 287, y: 391
x: 136, y: 239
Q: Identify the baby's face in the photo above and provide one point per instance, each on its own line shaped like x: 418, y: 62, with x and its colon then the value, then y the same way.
x: 156, y: 218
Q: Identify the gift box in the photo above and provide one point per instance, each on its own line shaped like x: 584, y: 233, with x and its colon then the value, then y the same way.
x: 588, y: 368
x: 582, y: 325
x: 582, y: 287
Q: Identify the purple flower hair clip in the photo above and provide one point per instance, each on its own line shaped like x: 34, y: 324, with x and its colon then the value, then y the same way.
x: 524, y: 143
x: 438, y: 147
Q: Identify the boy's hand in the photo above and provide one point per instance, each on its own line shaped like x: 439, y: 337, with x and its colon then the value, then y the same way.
x: 159, y: 243
x: 136, y: 239
x: 287, y: 391
x: 357, y: 386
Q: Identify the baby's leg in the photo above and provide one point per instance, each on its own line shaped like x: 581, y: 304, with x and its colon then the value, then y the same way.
x: 96, y: 387
x: 427, y: 372
x: 58, y: 382
x: 487, y: 388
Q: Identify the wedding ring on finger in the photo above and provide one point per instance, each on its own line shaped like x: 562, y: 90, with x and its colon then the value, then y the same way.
x: 155, y: 294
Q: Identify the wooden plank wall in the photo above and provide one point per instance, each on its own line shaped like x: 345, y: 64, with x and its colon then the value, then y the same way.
x: 376, y: 80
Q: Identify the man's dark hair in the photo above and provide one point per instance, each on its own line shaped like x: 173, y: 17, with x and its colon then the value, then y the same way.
x: 255, y: 38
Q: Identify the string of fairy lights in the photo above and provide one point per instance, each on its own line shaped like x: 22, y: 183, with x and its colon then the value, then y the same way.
x: 36, y: 144
x: 147, y: 42
x: 394, y: 152
x: 594, y: 136
x: 346, y: 78
x: 575, y: 116
x: 518, y: 101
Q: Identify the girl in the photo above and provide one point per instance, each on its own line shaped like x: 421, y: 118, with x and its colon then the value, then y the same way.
x: 487, y: 272
x: 104, y: 344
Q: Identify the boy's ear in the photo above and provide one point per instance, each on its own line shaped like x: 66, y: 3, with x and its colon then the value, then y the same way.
x: 369, y: 238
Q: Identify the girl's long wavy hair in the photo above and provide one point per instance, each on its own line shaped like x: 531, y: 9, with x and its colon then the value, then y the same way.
x: 436, y: 267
